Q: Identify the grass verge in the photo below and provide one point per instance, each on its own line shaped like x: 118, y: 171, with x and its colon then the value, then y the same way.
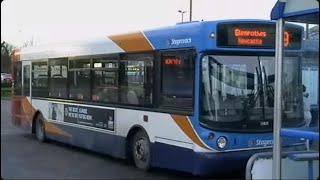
x: 5, y: 93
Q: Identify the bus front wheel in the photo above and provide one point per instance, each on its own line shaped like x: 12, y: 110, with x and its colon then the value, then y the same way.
x: 141, y: 151
x: 40, y: 130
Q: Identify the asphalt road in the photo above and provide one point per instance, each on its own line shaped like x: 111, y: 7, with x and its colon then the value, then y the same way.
x: 23, y: 157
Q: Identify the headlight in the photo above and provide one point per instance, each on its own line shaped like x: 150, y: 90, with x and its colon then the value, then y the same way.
x: 212, y: 35
x: 222, y: 142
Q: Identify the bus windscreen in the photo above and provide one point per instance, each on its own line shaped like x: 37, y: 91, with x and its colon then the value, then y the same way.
x: 256, y: 35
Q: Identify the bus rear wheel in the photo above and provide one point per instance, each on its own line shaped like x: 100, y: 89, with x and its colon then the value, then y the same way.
x: 141, y: 151
x: 40, y: 130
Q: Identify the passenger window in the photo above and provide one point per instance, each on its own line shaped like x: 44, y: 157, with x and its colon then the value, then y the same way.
x: 79, y: 79
x: 40, y: 79
x: 105, y: 80
x: 136, y: 79
x: 58, y: 78
x: 177, y: 80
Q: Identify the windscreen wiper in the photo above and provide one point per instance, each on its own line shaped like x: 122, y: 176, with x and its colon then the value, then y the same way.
x: 251, y: 101
x: 261, y: 92
x: 269, y: 89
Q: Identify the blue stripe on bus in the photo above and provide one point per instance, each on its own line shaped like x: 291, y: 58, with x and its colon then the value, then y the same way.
x: 238, y: 141
x: 172, y: 157
x: 93, y: 140
x: 197, y: 163
x: 90, y: 139
x: 163, y: 155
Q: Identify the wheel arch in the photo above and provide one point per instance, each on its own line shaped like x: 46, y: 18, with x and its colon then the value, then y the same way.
x: 33, y: 128
x: 133, y: 130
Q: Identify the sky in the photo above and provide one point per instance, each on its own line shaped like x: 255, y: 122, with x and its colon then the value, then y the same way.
x: 52, y: 21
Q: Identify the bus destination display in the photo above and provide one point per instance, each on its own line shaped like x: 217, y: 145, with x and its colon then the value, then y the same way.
x: 172, y: 61
x: 256, y: 35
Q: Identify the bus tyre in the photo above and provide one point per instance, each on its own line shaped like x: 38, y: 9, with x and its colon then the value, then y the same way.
x: 141, y: 151
x: 40, y: 130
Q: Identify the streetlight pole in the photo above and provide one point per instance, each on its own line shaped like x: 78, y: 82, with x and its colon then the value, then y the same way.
x: 182, y: 12
x: 190, y: 10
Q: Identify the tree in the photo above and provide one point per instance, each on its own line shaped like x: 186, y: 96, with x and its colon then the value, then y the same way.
x: 28, y: 43
x: 6, y: 50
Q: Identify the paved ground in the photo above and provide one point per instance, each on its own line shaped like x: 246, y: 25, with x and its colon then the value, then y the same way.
x: 22, y: 157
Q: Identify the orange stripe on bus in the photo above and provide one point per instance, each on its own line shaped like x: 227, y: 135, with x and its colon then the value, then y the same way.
x: 184, y: 124
x: 28, y: 109
x: 132, y: 42
x: 23, y: 109
x: 54, y: 129
x: 28, y: 112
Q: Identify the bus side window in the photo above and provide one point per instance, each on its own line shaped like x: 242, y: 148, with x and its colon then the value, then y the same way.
x: 135, y: 76
x: 105, y: 79
x: 79, y: 79
x: 177, y: 81
x: 58, y: 78
x: 40, y: 79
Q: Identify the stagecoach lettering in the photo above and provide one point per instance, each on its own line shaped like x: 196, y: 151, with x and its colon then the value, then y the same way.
x: 260, y: 142
x: 179, y: 41
x: 264, y: 143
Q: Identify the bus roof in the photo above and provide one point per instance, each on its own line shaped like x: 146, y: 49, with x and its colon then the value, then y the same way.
x: 182, y: 35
